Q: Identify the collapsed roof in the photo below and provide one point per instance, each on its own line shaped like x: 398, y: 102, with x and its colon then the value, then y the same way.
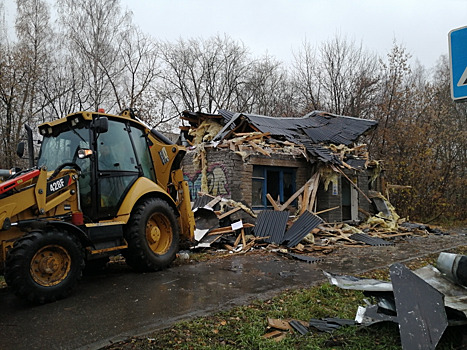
x: 314, y: 131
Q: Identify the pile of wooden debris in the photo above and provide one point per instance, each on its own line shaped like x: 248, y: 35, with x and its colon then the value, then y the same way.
x: 240, y: 230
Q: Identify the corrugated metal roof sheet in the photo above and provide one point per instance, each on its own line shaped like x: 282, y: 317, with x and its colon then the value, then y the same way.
x: 304, y: 224
x: 201, y: 201
x: 301, y: 257
x: 374, y: 241
x: 312, y: 129
x: 272, y: 224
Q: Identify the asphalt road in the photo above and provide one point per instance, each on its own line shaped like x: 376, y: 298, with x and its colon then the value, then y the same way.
x: 119, y: 303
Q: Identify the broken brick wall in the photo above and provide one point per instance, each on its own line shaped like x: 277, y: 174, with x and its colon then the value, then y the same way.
x: 229, y: 176
x: 301, y: 166
x: 220, y: 172
x: 333, y: 197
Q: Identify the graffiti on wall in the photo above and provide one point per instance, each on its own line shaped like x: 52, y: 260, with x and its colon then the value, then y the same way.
x: 217, y: 179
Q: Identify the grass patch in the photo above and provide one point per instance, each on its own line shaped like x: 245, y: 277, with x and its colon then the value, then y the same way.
x: 244, y: 327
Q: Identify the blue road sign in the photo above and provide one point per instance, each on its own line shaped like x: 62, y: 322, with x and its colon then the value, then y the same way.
x: 458, y: 62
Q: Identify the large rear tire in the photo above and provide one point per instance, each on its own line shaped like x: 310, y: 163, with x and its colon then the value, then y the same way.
x: 152, y: 234
x: 44, y: 266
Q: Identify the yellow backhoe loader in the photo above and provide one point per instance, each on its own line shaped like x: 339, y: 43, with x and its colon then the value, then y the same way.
x: 101, y: 185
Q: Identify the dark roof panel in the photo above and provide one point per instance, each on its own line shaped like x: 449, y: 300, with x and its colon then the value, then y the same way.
x: 271, y: 224
x: 302, y: 227
x: 312, y: 130
x: 319, y: 127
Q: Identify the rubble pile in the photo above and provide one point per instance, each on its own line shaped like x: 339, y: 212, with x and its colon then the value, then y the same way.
x: 239, y: 230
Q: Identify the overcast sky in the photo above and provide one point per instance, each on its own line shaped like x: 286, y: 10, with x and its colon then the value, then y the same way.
x: 280, y: 26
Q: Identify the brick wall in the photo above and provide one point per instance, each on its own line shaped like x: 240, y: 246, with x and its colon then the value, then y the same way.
x: 230, y: 177
x: 326, y: 200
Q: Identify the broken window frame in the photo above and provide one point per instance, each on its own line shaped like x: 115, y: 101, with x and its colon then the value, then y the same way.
x: 263, y: 170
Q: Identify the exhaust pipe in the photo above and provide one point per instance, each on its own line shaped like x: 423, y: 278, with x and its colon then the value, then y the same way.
x: 454, y: 267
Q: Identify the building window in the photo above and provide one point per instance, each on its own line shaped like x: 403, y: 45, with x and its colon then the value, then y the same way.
x: 279, y: 182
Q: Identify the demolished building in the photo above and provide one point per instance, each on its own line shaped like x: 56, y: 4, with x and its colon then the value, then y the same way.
x: 309, y: 163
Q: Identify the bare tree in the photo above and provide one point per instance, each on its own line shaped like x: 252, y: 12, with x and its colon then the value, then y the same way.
x: 307, y: 78
x: 204, y: 75
x: 22, y: 68
x: 140, y: 69
x: 348, y: 77
x: 93, y: 32
x: 267, y: 89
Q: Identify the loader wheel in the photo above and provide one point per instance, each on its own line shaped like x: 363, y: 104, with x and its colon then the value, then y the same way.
x: 44, y: 266
x: 152, y: 234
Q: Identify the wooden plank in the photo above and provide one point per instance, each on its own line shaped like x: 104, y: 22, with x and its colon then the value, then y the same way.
x: 237, y: 241
x: 258, y: 136
x: 258, y: 148
x: 272, y: 334
x: 314, y: 192
x: 213, y: 202
x: 305, y: 199
x: 218, y: 230
x: 293, y: 197
x: 351, y: 182
x: 192, y: 120
x: 230, y: 212
x: 273, y: 203
x: 243, y: 237
x: 226, y: 229
x: 326, y: 210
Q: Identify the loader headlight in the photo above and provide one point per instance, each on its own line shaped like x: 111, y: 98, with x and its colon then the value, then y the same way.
x: 74, y: 121
x: 84, y: 153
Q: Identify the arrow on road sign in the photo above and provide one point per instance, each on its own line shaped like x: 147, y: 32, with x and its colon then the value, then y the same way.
x: 463, y: 80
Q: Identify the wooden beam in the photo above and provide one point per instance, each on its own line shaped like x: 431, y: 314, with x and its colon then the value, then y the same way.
x: 326, y: 210
x: 351, y: 182
x: 305, y: 198
x: 314, y: 191
x: 294, y: 196
x: 230, y: 212
x: 271, y: 200
x: 226, y: 229
x: 243, y: 237
x: 192, y: 120
x: 258, y: 148
x: 213, y: 202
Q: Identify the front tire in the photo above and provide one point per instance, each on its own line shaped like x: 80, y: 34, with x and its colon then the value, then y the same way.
x: 44, y: 266
x: 152, y: 234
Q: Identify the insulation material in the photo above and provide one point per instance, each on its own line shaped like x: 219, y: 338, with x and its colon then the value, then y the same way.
x: 205, y: 132
x: 377, y: 169
x: 329, y: 176
x: 387, y: 222
x: 350, y: 229
x: 234, y: 204
x: 199, y: 162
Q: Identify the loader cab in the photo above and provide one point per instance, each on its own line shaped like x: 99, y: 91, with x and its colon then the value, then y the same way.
x: 117, y: 154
